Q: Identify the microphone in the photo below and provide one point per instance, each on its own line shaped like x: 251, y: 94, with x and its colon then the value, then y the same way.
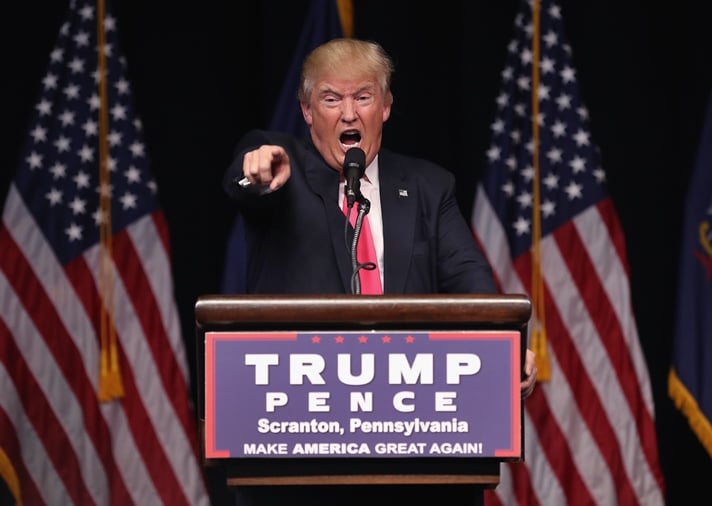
x: 354, y: 167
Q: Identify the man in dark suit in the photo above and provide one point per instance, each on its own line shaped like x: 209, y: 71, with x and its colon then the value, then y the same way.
x: 296, y: 233
x: 290, y: 191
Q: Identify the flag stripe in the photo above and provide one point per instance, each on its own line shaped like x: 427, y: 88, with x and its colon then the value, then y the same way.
x: 139, y: 289
x: 156, y: 264
x: 628, y: 361
x: 566, y: 317
x: 560, y: 460
x: 74, y: 369
x: 132, y: 419
x: 170, y: 412
x: 32, y: 484
x: 544, y: 426
x: 147, y: 361
x: 567, y: 365
x: 52, y: 432
x: 62, y: 379
x: 125, y: 420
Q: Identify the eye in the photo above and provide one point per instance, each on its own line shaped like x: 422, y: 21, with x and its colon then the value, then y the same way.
x: 330, y: 100
x: 364, y: 98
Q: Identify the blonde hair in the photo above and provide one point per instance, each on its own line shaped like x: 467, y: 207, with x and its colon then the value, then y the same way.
x: 348, y: 58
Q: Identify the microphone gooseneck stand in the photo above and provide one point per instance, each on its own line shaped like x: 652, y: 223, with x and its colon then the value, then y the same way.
x: 363, y: 209
x: 354, y: 169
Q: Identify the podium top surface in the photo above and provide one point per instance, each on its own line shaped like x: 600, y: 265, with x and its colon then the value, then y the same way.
x: 512, y: 310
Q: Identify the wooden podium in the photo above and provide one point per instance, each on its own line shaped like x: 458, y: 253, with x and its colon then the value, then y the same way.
x: 238, y: 316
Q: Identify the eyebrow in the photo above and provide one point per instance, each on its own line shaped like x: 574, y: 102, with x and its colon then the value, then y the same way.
x: 371, y: 87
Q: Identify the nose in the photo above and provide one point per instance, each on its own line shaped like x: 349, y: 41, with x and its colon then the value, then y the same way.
x: 348, y: 110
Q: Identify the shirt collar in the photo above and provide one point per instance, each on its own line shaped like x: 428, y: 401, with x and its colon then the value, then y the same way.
x: 371, y: 173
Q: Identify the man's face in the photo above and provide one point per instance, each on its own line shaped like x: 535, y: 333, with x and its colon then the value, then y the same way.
x: 345, y: 113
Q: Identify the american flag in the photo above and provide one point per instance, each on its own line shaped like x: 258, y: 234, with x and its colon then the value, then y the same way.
x: 589, y: 430
x: 60, y: 310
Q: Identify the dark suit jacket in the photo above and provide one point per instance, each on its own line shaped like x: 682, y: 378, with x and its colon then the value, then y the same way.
x: 295, y: 236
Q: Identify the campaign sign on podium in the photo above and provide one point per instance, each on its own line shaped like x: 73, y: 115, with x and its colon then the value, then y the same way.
x: 362, y: 394
x: 339, y: 389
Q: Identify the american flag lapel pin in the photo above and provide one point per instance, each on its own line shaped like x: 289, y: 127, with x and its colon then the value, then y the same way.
x: 402, y: 193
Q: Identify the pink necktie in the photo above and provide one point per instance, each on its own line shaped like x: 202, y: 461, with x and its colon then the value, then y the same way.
x: 366, y: 252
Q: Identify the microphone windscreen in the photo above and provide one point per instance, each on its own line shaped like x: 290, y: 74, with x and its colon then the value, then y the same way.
x: 355, y: 158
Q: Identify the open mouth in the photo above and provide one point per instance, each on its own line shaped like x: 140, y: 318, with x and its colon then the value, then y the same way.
x: 350, y: 138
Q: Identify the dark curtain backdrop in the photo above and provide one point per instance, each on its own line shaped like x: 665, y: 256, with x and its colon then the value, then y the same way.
x: 204, y: 72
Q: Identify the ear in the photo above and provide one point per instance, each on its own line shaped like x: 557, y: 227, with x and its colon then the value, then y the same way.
x: 306, y: 112
x: 386, y: 112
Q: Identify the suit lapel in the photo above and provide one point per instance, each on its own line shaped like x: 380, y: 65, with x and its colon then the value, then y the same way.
x: 398, y: 205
